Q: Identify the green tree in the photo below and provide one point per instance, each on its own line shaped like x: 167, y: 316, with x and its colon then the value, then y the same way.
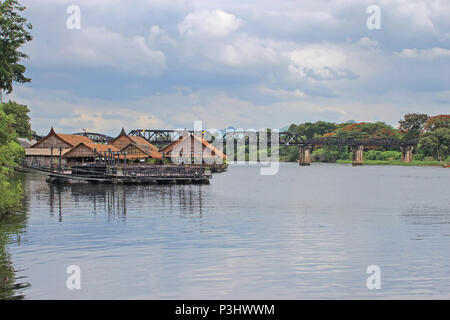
x: 436, y: 122
x: 10, y: 154
x: 316, y: 129
x: 436, y: 143
x: 412, y: 125
x: 366, y: 131
x: 21, y: 119
x: 14, y: 32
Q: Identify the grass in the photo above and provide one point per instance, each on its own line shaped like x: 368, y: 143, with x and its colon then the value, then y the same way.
x: 396, y: 162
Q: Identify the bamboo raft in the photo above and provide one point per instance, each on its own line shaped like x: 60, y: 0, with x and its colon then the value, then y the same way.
x: 130, y: 174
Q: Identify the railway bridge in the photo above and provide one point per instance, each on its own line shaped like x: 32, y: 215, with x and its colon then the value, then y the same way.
x: 286, y: 138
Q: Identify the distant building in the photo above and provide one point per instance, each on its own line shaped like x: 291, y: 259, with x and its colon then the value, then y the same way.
x: 65, y: 141
x: 41, y: 154
x: 136, y: 147
x: 191, y: 148
x: 75, y: 149
x: 89, y: 152
x: 26, y: 143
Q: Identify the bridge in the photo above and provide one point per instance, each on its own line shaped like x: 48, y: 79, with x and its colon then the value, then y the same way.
x: 286, y: 138
x: 96, y: 137
x: 163, y: 137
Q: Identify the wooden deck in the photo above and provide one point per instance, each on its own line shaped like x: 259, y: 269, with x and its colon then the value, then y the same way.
x: 100, y: 173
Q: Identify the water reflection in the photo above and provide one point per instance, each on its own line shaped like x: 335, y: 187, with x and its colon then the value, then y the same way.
x: 304, y: 233
x: 12, y: 228
x: 112, y: 200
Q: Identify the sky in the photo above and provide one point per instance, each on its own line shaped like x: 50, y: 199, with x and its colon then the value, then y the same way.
x: 163, y: 64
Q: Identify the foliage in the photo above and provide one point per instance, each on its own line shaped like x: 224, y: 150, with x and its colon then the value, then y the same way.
x: 10, y: 153
x: 330, y: 154
x: 395, y: 162
x: 310, y: 130
x: 412, y: 125
x: 436, y: 122
x: 366, y: 131
x: 21, y: 119
x: 14, y: 32
x: 382, y: 155
x: 436, y: 143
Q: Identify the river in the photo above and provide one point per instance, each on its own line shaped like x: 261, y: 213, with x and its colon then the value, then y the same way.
x: 304, y: 233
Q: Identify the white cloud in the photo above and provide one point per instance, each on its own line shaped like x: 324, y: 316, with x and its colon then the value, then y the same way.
x: 367, y: 42
x: 212, y: 24
x: 281, y: 93
x: 96, y: 47
x: 428, y: 53
x: 326, y: 61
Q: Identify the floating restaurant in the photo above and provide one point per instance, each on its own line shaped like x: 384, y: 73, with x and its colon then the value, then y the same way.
x: 124, y: 159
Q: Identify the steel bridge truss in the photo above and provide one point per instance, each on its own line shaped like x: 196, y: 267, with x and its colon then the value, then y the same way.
x: 286, y: 138
x: 96, y: 137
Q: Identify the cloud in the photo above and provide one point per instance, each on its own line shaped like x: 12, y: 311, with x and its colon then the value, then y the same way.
x: 212, y: 24
x: 428, y: 53
x: 367, y: 42
x: 98, y: 47
x: 239, y: 63
x: 281, y: 93
x: 328, y: 62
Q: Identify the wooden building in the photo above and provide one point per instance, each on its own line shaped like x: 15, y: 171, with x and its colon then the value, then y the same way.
x: 41, y: 157
x: 89, y: 152
x: 193, y: 149
x: 137, y: 148
x: 55, y: 140
x: 40, y: 153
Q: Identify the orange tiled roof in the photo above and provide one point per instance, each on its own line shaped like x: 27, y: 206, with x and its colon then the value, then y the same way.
x: 152, y: 153
x: 71, y: 139
x: 100, y: 148
x: 143, y: 142
x: 208, y: 145
x: 74, y: 139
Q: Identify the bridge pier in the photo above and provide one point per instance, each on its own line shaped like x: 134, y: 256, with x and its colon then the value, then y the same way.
x: 357, y: 157
x: 304, y: 158
x: 407, y: 153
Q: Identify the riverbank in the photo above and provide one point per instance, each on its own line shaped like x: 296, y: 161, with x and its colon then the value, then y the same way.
x: 395, y: 163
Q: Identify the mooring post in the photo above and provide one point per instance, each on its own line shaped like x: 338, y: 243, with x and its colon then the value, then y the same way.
x: 304, y: 158
x: 407, y: 153
x: 60, y: 159
x: 357, y: 156
x: 51, y: 159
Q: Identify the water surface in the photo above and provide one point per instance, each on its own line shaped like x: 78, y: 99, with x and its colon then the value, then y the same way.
x: 307, y: 232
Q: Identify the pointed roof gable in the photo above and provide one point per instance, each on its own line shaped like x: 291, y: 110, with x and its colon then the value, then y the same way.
x: 93, y: 146
x: 169, y: 148
x: 151, y: 153
x: 139, y: 141
x: 70, y: 139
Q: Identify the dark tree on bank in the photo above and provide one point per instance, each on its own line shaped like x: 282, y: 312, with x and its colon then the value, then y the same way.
x: 412, y: 125
x: 14, y: 32
x: 19, y: 112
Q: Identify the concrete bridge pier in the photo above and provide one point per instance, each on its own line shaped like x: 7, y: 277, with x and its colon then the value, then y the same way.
x: 407, y: 153
x: 304, y: 158
x: 357, y: 157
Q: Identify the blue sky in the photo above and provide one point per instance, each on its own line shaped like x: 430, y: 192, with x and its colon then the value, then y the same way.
x: 249, y: 64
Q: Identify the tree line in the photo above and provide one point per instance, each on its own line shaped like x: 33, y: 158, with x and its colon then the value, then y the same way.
x: 431, y: 132
x: 14, y: 119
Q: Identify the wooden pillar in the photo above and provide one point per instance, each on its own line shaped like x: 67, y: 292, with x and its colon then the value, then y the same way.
x: 357, y: 157
x: 51, y: 159
x: 60, y: 159
x: 407, y: 153
x: 304, y: 158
